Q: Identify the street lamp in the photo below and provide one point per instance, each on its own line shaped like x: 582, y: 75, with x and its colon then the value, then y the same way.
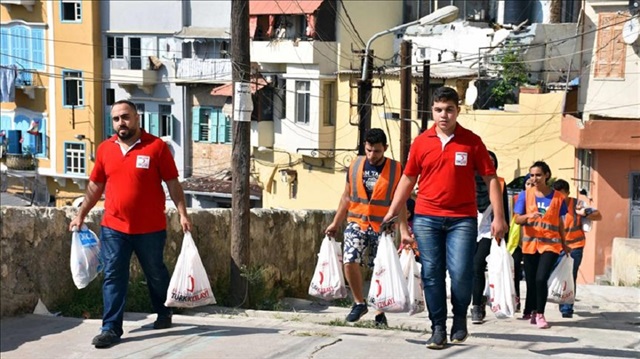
x: 270, y: 149
x: 444, y: 15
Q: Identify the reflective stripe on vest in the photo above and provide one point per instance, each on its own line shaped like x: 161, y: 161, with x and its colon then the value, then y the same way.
x: 543, y: 234
x: 573, y: 232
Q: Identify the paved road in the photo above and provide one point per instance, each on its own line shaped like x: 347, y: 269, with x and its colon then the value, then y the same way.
x: 607, y: 324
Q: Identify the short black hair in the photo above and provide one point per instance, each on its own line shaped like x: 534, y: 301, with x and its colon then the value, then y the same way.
x: 376, y: 135
x: 561, y: 185
x: 494, y: 157
x: 444, y: 94
x: 126, y: 102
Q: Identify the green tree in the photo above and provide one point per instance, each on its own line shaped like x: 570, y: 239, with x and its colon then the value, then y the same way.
x: 513, y: 73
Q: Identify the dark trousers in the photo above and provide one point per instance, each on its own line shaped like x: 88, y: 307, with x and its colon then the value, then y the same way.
x: 537, y: 270
x: 517, y: 269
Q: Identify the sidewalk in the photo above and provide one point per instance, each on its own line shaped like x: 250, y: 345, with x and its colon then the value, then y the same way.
x: 606, y: 324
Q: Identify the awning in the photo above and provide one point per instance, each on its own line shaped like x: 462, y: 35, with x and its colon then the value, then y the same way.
x: 227, y: 90
x: 286, y: 7
x: 191, y: 32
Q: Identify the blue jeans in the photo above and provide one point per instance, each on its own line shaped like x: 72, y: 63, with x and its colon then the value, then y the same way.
x: 116, y: 250
x: 446, y: 243
x: 576, y: 254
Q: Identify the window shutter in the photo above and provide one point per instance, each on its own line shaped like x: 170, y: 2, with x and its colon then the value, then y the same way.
x: 4, y: 47
x: 213, y: 125
x: 195, y: 123
x: 154, y: 124
x: 222, y: 126
x: 20, y: 42
x: 107, y: 125
x: 37, y: 49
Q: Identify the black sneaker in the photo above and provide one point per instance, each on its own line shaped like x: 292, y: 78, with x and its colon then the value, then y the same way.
x: 459, y: 331
x: 357, y: 311
x: 477, y: 314
x: 381, y: 320
x: 163, y: 322
x: 438, y: 338
x: 567, y: 315
x: 105, y: 339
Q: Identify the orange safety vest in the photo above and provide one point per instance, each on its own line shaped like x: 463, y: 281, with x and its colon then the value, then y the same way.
x: 370, y: 212
x: 574, y: 235
x: 543, y: 234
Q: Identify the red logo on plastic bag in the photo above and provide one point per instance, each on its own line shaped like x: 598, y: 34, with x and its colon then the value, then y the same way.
x: 192, y: 284
x: 379, y: 288
x: 321, y: 277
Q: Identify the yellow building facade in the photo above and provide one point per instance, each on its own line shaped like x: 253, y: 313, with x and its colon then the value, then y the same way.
x: 54, y: 48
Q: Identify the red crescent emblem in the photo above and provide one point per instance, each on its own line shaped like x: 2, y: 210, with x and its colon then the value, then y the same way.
x: 379, y: 288
x: 564, y: 286
x: 321, y: 277
x: 192, y: 284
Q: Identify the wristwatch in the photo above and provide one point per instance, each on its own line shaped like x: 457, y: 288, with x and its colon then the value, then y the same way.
x: 588, y: 211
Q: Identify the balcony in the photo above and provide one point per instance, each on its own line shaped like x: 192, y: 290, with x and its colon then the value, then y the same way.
x: 262, y: 133
x: 207, y: 71
x: 28, y: 81
x: 284, y: 51
x: 28, y: 4
x: 129, y: 77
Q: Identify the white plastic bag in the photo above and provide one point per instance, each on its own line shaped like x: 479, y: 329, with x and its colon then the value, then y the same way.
x: 328, y: 280
x: 85, y: 260
x: 388, y: 291
x: 411, y: 270
x: 189, y: 286
x: 501, y: 288
x: 560, y: 283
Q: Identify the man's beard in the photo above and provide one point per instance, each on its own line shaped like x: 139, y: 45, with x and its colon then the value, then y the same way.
x: 128, y: 134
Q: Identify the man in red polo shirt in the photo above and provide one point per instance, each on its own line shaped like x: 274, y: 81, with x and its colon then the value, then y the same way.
x: 444, y: 161
x: 129, y: 169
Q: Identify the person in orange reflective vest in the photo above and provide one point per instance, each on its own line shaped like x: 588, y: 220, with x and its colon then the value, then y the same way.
x: 540, y: 212
x: 371, y: 182
x: 574, y: 233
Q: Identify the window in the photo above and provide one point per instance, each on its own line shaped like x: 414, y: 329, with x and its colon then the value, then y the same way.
x: 303, y: 97
x: 74, y: 158
x: 22, y: 46
x: 71, y: 10
x: 115, y: 47
x: 210, y: 125
x: 135, y: 53
x: 329, y: 105
x: 72, y: 88
x: 110, y: 95
x: 205, y: 122
x: 166, y: 120
x: 584, y: 170
x: 611, y: 50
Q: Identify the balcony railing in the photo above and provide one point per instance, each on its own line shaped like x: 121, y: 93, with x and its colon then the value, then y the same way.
x: 203, y: 70
x: 130, y: 73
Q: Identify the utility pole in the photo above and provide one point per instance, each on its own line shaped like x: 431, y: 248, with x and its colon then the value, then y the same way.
x: 242, y: 106
x: 364, y: 102
x: 425, y: 101
x: 405, y: 100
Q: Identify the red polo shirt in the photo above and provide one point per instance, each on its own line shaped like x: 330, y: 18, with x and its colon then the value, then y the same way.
x: 446, y: 186
x: 134, y: 197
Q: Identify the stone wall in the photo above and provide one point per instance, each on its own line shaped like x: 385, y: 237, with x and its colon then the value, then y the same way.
x: 35, y: 245
x: 625, y: 262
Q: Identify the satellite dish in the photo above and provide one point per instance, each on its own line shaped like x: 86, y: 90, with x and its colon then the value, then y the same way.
x: 471, y: 95
x: 631, y: 31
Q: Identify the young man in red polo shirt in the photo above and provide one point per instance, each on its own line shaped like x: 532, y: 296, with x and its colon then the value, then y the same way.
x: 129, y: 169
x: 444, y: 161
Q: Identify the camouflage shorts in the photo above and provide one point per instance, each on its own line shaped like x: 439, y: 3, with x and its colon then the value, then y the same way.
x: 356, y: 241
